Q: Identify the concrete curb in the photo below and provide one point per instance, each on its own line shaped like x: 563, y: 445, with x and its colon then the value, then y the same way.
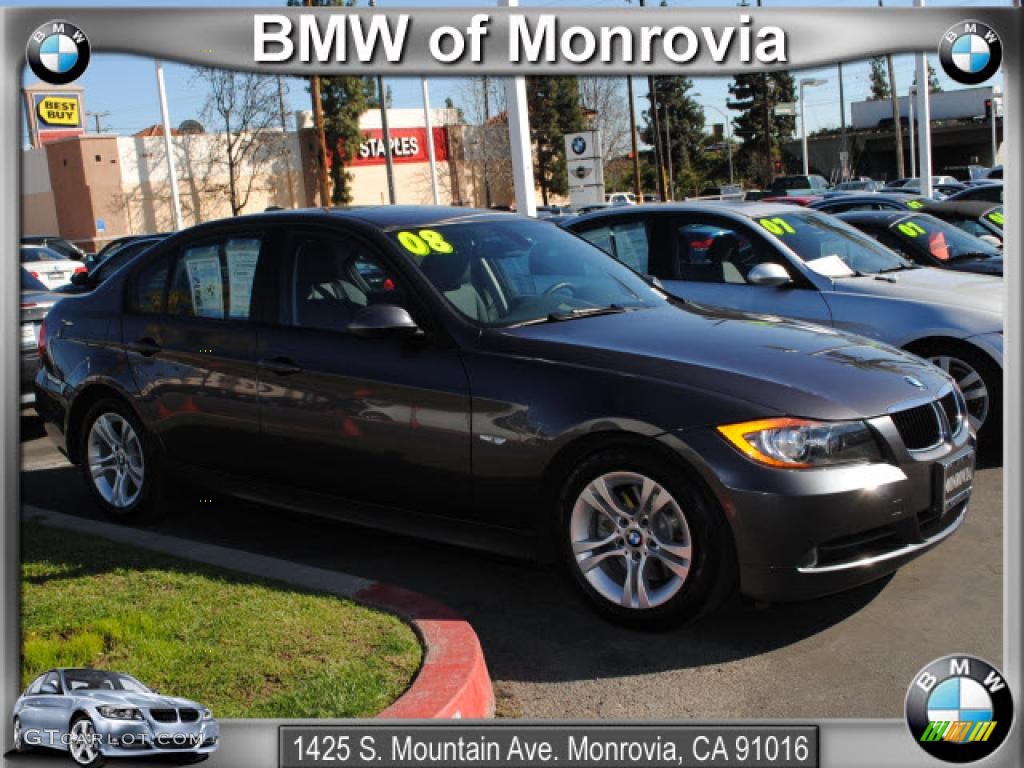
x: 453, y: 681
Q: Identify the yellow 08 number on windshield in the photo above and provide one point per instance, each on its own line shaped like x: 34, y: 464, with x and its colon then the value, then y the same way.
x: 777, y: 226
x: 425, y: 241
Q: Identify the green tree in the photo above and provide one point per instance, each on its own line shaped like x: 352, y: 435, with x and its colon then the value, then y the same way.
x: 682, y: 121
x: 754, y: 97
x: 344, y: 99
x: 879, y: 79
x: 554, y: 106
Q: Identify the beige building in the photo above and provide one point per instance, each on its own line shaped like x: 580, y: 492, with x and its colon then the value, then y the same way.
x: 94, y: 188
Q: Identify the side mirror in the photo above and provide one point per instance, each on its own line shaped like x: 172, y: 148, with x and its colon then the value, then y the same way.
x: 992, y: 240
x: 48, y: 688
x: 654, y: 282
x: 384, y: 321
x: 81, y: 279
x: 768, y: 274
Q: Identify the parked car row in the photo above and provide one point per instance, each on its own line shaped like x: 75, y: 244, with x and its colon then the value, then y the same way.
x: 501, y: 382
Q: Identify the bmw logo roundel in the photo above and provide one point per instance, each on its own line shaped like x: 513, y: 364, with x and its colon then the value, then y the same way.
x: 959, y: 709
x: 58, y: 52
x: 579, y: 145
x: 970, y: 52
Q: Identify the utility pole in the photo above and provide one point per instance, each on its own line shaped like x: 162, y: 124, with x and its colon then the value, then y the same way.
x: 898, y: 126
x: 911, y: 96
x: 659, y: 156
x: 96, y: 119
x: 767, y: 123
x: 284, y: 136
x: 668, y: 154
x: 844, y: 158
x: 924, y: 115
x: 168, y: 148
x: 388, y: 159
x: 483, y: 140
x: 430, y: 141
x: 318, y: 124
x: 519, y: 139
x: 637, y: 185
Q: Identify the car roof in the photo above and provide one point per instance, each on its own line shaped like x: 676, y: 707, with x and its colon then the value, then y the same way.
x: 747, y: 209
x: 867, y: 197
x: 875, y: 217
x: 968, y: 208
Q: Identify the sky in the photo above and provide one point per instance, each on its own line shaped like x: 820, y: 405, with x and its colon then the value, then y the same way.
x: 124, y: 87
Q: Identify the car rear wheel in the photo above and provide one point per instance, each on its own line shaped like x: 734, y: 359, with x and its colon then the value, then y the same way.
x: 642, y: 541
x: 19, y: 737
x: 83, y: 743
x: 119, y: 463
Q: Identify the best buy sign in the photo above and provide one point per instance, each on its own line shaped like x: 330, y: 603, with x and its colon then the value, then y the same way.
x: 63, y: 110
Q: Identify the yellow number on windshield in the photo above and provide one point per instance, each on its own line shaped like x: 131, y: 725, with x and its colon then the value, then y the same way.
x: 425, y: 241
x: 778, y: 226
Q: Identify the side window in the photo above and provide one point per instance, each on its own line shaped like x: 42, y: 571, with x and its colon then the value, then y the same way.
x: 51, y: 683
x: 215, y: 279
x: 36, y: 685
x: 150, y: 285
x: 329, y: 280
x: 626, y: 241
x: 712, y: 253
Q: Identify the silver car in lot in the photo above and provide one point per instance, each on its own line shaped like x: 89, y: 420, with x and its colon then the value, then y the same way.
x: 93, y: 714
x: 793, y: 262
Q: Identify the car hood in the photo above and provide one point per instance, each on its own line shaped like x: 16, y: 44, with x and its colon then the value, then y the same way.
x: 138, y: 700
x: 992, y: 265
x: 948, y: 288
x: 790, y: 367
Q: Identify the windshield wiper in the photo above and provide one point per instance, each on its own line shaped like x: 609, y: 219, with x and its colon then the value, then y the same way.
x: 575, y: 314
x: 974, y: 255
x: 898, y: 268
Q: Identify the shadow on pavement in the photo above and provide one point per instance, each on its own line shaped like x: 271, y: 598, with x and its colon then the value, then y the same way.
x: 532, y: 624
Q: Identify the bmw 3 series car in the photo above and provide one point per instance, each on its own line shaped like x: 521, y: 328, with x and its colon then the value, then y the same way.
x: 494, y: 381
x: 799, y: 263
x: 93, y: 714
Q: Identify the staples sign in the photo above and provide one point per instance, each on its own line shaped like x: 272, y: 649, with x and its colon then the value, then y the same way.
x: 408, y: 145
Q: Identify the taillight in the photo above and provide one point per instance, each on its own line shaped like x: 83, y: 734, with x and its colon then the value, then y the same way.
x: 42, y: 339
x: 35, y: 275
x: 80, y: 269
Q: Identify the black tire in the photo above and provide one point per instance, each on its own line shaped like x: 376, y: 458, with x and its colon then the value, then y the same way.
x: 990, y: 434
x: 95, y: 762
x: 712, y: 572
x: 145, y: 505
x: 19, y: 741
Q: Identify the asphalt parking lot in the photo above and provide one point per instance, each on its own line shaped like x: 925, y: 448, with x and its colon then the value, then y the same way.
x: 852, y: 655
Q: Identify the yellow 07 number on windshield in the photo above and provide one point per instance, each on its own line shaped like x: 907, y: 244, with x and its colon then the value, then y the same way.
x: 424, y: 242
x: 777, y: 226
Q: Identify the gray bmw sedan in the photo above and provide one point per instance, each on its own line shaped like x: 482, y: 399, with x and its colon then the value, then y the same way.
x: 498, y: 382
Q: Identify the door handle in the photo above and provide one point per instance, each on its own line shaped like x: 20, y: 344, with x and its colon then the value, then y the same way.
x: 146, y: 347
x: 282, y: 366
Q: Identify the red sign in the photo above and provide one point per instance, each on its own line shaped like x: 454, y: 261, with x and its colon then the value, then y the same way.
x: 408, y: 145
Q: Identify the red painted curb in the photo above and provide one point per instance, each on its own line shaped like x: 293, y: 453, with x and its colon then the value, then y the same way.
x: 453, y: 681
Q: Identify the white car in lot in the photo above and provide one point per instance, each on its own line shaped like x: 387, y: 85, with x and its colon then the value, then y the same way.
x: 49, y: 267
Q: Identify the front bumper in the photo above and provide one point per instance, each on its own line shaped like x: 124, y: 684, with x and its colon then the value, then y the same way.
x: 134, y: 738
x: 801, y: 534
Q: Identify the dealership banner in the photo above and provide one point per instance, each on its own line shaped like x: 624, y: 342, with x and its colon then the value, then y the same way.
x: 537, y: 746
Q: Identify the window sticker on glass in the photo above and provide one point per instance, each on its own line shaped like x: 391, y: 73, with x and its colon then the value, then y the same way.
x: 996, y: 217
x: 778, y: 226
x: 915, y: 204
x: 424, y: 241
x: 911, y: 229
x: 242, y: 255
x: 205, y: 282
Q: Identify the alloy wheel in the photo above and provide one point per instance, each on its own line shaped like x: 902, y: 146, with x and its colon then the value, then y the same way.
x: 631, y: 540
x: 971, y: 384
x: 83, y: 742
x: 116, y: 463
x: 18, y: 743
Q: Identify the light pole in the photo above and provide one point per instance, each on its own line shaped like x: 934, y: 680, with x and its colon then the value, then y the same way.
x: 728, y: 135
x: 668, y: 155
x: 995, y: 116
x: 911, y: 95
x: 807, y: 82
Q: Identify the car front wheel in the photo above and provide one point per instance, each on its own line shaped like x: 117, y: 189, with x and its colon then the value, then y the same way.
x: 980, y: 380
x: 83, y: 743
x: 19, y: 737
x: 119, y: 462
x: 642, y: 541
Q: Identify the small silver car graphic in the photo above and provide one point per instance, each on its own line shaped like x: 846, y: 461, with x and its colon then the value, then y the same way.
x: 93, y: 714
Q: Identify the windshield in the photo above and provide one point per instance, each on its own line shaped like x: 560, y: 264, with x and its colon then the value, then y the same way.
x: 943, y: 241
x: 502, y: 273
x: 31, y: 253
x: 101, y: 680
x: 831, y: 247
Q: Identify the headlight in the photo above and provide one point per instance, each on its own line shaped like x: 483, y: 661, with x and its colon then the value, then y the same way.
x: 207, y: 714
x: 802, y: 444
x: 119, y: 713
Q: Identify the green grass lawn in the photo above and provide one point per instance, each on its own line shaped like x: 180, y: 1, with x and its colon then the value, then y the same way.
x: 241, y: 646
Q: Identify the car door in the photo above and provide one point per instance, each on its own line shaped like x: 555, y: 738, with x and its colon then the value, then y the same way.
x: 191, y: 348
x: 381, y: 421
x: 710, y: 257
